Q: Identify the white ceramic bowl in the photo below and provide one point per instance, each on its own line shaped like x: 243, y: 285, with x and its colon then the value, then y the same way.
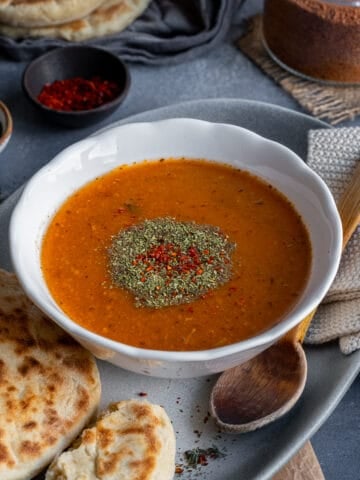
x: 94, y: 156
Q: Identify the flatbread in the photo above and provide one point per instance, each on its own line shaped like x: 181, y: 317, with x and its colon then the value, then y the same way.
x: 111, y: 17
x: 42, y: 13
x: 49, y: 385
x: 132, y: 440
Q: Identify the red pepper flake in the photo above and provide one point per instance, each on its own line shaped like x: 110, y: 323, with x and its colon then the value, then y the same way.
x: 200, y: 456
x: 77, y: 93
x: 173, y: 260
x: 142, y: 394
x: 156, y: 262
x: 179, y: 469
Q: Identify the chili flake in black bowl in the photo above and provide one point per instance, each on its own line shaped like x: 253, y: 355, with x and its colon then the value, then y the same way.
x: 78, y: 93
x: 76, y: 86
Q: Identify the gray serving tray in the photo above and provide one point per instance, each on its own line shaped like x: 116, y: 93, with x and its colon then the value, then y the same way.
x: 257, y: 455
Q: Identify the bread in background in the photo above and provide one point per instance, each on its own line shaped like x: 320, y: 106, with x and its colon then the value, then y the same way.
x: 111, y: 17
x: 41, y: 13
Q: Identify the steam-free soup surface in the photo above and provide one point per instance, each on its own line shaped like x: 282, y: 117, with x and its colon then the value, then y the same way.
x: 270, y: 263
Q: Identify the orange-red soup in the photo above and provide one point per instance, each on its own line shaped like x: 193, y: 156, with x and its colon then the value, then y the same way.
x: 271, y: 261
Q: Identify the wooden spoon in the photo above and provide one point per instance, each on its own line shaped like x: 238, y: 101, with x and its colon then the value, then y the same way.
x: 263, y: 389
x: 302, y: 466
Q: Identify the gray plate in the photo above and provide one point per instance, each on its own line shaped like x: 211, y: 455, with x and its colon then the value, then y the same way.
x: 260, y: 454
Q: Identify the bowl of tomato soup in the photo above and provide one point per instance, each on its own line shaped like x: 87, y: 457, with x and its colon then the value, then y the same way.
x: 176, y: 248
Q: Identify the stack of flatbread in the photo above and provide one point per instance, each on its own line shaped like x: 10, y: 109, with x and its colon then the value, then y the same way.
x: 72, y: 20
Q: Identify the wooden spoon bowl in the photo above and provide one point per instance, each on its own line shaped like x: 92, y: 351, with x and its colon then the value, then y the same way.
x: 237, y: 400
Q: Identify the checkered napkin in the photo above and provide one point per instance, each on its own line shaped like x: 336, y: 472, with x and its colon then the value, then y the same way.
x: 334, y: 153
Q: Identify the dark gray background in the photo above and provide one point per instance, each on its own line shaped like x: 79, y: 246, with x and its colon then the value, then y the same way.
x: 223, y: 72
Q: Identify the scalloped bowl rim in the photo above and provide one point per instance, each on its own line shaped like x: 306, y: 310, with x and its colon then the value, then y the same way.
x: 266, y: 337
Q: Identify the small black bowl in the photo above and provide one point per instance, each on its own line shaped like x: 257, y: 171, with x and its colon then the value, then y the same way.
x: 69, y: 62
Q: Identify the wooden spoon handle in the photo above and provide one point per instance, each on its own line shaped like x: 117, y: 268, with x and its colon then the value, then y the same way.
x: 349, y: 210
x: 349, y: 206
x: 303, y: 466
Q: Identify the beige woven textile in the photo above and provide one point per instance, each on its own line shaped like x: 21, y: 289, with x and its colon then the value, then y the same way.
x: 334, y: 153
x: 334, y: 104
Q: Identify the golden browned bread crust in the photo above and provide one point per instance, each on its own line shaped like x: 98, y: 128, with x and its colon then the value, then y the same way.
x: 111, y: 17
x: 41, y: 13
x: 316, y: 38
x: 132, y: 440
x: 49, y: 385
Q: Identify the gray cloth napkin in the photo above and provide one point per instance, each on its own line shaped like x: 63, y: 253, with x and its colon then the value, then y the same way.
x: 333, y: 154
x: 169, y: 31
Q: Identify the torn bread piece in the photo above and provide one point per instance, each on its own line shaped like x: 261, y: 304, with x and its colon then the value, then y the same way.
x: 49, y: 385
x: 131, y: 440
